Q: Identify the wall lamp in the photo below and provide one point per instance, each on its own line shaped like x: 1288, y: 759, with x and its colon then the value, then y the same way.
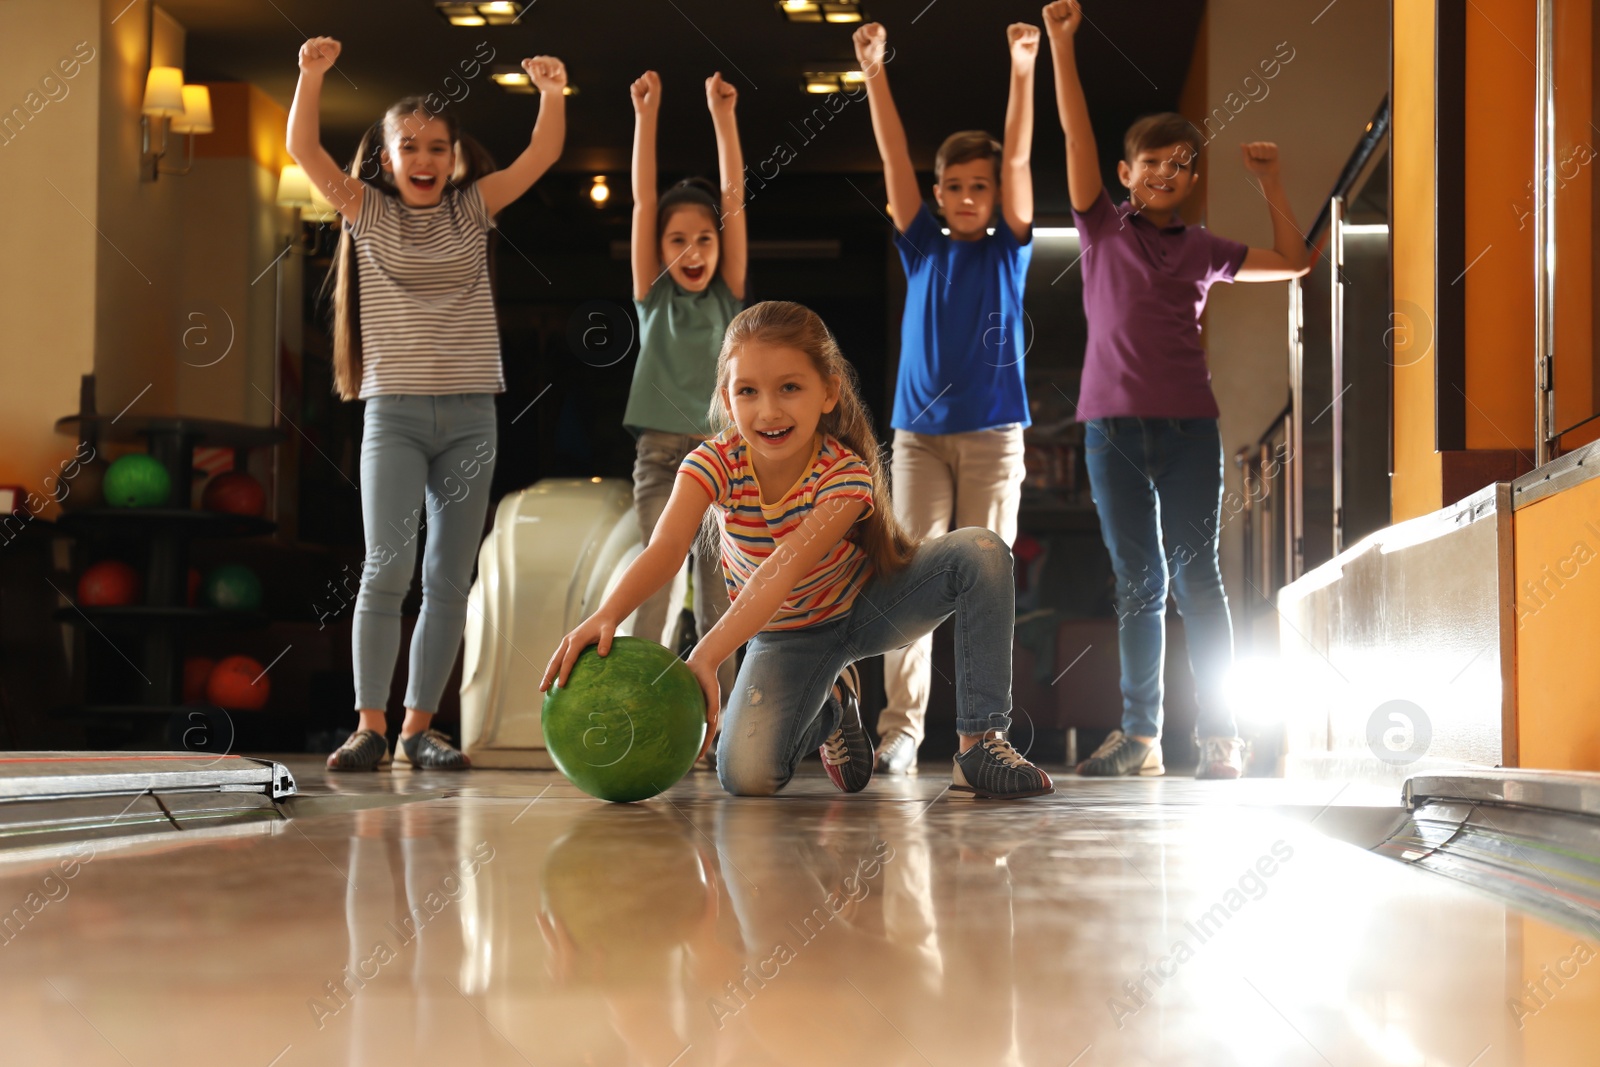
x: 170, y: 107
x: 296, y: 191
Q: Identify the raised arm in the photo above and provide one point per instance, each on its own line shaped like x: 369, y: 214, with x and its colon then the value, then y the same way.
x: 1016, y: 165
x: 905, y: 199
x: 1287, y: 257
x: 544, y: 147
x: 721, y: 98
x: 1061, y: 21
x: 317, y: 57
x: 646, y: 93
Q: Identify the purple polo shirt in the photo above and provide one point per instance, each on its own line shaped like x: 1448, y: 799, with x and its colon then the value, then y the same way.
x: 1143, y: 290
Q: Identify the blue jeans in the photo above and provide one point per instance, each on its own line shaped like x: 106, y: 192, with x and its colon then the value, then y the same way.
x: 419, y: 452
x: 783, y: 706
x: 1157, y: 484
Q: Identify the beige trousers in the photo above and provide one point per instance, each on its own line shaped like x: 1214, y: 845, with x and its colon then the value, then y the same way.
x: 942, y: 482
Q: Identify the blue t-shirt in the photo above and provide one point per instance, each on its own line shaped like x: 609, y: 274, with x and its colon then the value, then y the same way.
x: 961, y: 340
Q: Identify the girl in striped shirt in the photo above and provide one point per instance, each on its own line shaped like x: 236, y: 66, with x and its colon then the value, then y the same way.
x: 819, y: 573
x: 415, y: 337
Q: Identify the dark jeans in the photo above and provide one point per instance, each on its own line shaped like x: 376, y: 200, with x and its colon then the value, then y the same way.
x: 1157, y: 484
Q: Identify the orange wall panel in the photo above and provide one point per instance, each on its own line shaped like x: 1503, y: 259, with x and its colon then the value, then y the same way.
x: 1417, y: 482
x: 1499, y: 244
x: 1557, y: 560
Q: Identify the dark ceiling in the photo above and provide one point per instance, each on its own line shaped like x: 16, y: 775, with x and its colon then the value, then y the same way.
x: 949, y: 71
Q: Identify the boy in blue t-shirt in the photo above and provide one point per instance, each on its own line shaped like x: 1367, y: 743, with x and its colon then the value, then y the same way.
x: 959, y: 406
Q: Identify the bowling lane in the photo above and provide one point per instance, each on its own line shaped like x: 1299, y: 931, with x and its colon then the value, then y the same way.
x: 520, y: 922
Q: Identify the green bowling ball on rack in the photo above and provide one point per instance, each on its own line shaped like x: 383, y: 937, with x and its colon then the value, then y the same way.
x: 136, y: 481
x: 233, y: 587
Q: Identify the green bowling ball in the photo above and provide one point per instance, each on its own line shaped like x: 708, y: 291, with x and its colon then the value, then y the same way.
x: 233, y: 587
x: 136, y: 481
x: 628, y: 724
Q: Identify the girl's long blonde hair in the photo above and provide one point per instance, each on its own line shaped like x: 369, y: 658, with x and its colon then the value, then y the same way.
x: 472, y: 162
x: 780, y: 322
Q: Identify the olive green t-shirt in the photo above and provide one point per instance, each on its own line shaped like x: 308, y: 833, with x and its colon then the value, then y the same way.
x: 680, y: 334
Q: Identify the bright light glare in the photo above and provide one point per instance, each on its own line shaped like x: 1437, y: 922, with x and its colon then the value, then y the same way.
x: 1258, y: 689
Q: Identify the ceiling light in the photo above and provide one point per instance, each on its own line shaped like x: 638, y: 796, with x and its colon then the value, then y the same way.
x: 821, y: 10
x: 497, y: 13
x: 600, y: 192
x: 832, y: 81
x: 516, y: 80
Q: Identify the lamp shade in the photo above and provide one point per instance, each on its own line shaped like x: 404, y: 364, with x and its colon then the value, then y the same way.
x: 163, y: 92
x: 321, y: 209
x: 294, y: 188
x: 196, y: 117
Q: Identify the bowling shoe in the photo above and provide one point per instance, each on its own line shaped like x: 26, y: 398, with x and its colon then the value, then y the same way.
x: 1150, y: 766
x: 364, y: 750
x: 1220, y: 757
x: 847, y: 753
x: 993, y: 769
x: 430, y: 750
x: 897, y: 754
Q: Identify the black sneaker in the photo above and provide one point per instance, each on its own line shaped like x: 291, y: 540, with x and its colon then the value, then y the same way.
x: 364, y: 750
x: 1152, y: 765
x: 1126, y: 756
x: 847, y: 753
x: 431, y: 751
x: 992, y: 768
x: 897, y: 754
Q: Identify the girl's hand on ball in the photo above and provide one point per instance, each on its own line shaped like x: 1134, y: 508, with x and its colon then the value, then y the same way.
x: 593, y: 630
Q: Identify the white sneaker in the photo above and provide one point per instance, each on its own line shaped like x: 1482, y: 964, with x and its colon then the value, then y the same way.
x: 1152, y: 765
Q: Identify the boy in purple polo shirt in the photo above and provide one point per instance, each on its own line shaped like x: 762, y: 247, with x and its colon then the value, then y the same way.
x: 1150, y: 435
x: 959, y: 401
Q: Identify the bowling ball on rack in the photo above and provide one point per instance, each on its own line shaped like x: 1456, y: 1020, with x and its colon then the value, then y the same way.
x: 627, y: 725
x: 136, y: 481
x: 234, y: 493
x: 238, y: 683
x: 196, y: 672
x: 110, y: 583
x: 233, y: 587
x: 84, y: 489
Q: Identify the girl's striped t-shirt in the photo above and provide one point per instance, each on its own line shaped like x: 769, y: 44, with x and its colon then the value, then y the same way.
x: 427, y: 313
x: 752, y: 530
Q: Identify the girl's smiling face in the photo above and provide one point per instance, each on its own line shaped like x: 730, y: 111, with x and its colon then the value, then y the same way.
x: 777, y: 399
x: 690, y: 247
x: 421, y: 158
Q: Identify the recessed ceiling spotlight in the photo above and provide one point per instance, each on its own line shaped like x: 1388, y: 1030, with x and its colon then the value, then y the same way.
x: 516, y: 80
x: 821, y: 10
x: 832, y: 81
x: 497, y: 13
